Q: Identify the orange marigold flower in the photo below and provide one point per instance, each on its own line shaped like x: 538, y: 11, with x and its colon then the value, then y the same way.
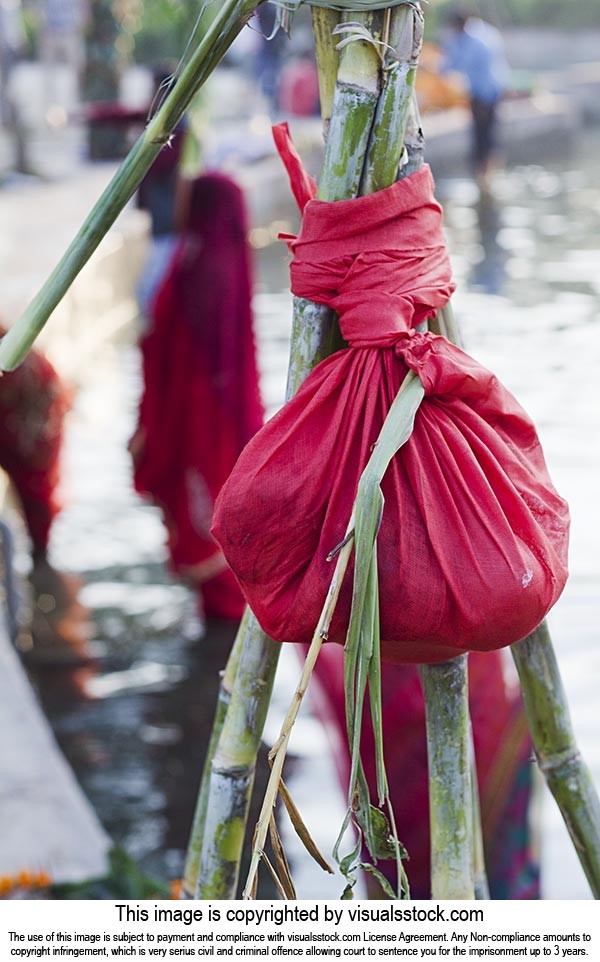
x: 176, y: 888
x: 6, y: 884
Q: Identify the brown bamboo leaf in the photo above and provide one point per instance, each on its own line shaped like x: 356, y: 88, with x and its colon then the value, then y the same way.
x: 276, y: 879
x: 301, y: 829
x: 281, y: 861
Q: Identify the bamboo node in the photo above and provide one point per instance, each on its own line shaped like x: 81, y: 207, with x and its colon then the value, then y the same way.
x: 560, y: 762
x: 357, y: 32
x: 163, y: 140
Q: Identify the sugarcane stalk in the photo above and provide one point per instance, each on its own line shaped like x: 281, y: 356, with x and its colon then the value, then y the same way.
x: 324, y: 22
x: 354, y: 103
x: 558, y: 756
x: 450, y: 791
x: 228, y: 676
x: 395, y: 104
x: 221, y: 836
x: 278, y: 752
x: 214, y: 43
x: 480, y: 881
x: 227, y: 796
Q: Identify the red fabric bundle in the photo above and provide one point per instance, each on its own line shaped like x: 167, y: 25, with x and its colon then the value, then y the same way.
x: 472, y: 550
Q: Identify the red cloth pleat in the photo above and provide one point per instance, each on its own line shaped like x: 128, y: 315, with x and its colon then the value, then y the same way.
x: 472, y: 550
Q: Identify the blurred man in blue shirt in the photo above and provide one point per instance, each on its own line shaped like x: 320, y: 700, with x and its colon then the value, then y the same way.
x: 475, y: 50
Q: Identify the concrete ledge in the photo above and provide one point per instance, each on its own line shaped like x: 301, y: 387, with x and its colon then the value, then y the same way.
x: 48, y: 824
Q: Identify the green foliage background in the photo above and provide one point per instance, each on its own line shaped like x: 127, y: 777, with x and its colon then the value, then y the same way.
x: 162, y: 27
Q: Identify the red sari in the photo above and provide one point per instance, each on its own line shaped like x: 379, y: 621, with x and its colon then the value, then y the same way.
x: 33, y: 404
x: 201, y: 402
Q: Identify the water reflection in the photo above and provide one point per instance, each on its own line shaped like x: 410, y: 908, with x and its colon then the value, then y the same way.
x: 489, y: 270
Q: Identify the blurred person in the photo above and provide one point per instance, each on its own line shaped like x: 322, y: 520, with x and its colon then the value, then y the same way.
x: 157, y: 193
x: 268, y: 58
x: 299, y: 87
x: 12, y: 41
x: 33, y: 405
x: 488, y: 271
x: 12, y: 45
x: 475, y: 50
x: 503, y: 759
x: 434, y: 91
x: 62, y: 49
x: 200, y: 403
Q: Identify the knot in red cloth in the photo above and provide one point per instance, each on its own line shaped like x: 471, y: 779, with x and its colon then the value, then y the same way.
x: 379, y: 261
x: 472, y: 549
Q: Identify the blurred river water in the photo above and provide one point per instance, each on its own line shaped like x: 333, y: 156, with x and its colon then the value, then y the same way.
x: 134, y: 725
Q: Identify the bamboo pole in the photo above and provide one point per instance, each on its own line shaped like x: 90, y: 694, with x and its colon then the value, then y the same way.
x: 450, y: 791
x: 214, y: 43
x: 221, y: 836
x: 556, y: 751
x: 387, y: 142
x: 192, y: 862
x: 228, y: 797
x: 278, y: 752
x: 480, y: 882
x: 324, y: 22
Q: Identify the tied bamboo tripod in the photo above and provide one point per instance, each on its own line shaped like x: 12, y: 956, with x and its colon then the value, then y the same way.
x: 368, y: 113
x: 368, y: 124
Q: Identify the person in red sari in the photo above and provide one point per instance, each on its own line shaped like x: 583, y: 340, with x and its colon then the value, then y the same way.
x: 504, y: 763
x: 201, y: 401
x: 33, y: 404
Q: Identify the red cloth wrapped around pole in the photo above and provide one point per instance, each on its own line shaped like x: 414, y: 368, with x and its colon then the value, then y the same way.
x: 472, y: 550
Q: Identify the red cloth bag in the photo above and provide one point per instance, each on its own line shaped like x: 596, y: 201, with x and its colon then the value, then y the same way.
x: 472, y: 550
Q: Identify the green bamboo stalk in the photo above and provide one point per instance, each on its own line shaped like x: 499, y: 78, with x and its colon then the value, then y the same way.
x: 395, y: 105
x: 556, y: 751
x: 450, y: 791
x: 278, y: 752
x: 230, y: 781
x: 354, y: 103
x: 324, y: 22
x: 232, y: 767
x: 480, y: 881
x: 217, y: 38
x: 192, y: 863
